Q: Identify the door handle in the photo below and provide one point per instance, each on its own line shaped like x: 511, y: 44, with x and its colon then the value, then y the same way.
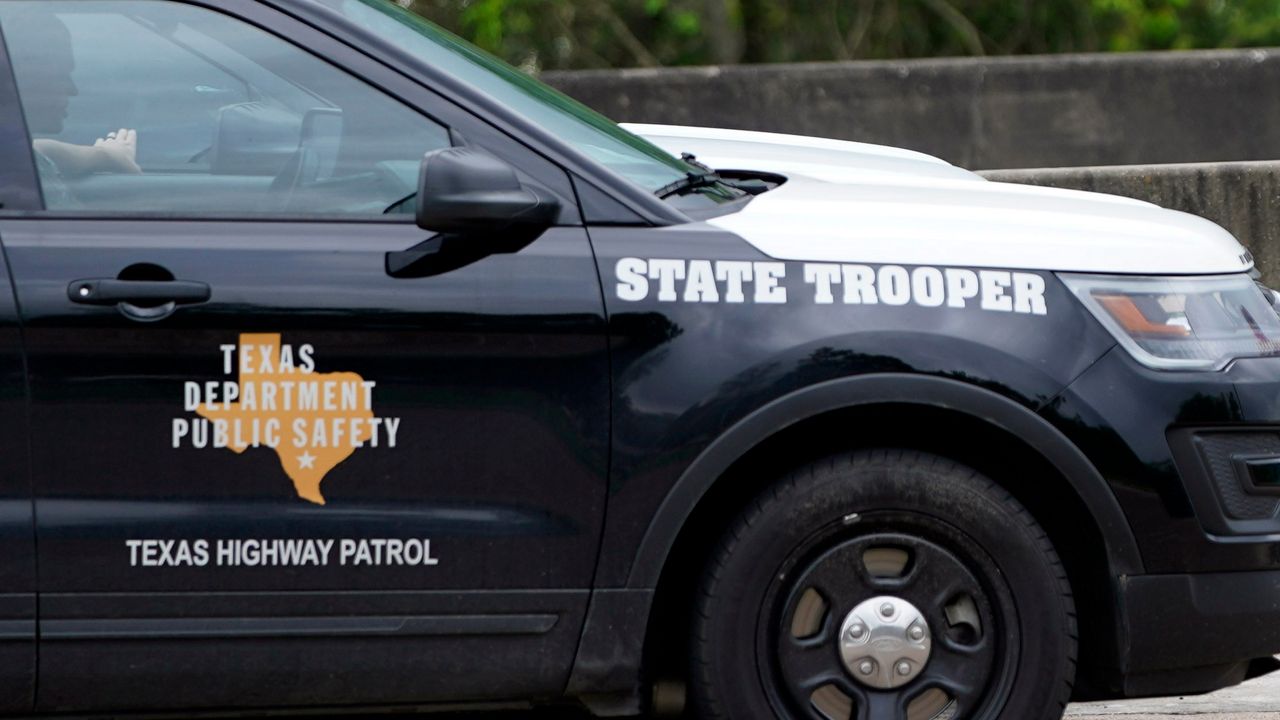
x: 110, y: 291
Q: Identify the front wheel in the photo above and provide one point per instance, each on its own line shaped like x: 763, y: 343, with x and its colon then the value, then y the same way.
x: 884, y: 585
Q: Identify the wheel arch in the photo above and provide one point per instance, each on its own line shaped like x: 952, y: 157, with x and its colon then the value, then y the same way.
x: 885, y: 410
x: 783, y: 415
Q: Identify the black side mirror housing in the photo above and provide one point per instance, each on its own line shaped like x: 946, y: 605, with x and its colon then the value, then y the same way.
x: 463, y: 191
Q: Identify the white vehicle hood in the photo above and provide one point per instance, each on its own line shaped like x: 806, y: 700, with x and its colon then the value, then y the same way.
x: 854, y: 202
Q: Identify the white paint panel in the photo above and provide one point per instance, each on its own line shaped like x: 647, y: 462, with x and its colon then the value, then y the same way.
x: 980, y: 225
x: 853, y: 202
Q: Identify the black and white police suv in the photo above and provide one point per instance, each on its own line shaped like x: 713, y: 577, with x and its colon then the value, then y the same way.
x: 293, y: 417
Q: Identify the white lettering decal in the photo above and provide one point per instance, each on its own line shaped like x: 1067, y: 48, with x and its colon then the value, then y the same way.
x: 927, y: 287
x: 181, y: 428
x: 666, y: 272
x: 715, y: 281
x: 895, y: 285
x: 822, y: 276
x: 734, y: 273
x: 278, y: 399
x: 279, y: 552
x: 701, y: 286
x: 767, y: 288
x: 859, y: 285
x: 633, y: 285
x: 1028, y: 293
x: 962, y: 285
x: 994, y: 283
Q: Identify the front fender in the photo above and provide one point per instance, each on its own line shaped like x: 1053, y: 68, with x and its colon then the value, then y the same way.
x: 902, y: 389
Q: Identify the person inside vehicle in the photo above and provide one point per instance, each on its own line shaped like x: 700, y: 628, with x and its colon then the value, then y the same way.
x: 40, y: 44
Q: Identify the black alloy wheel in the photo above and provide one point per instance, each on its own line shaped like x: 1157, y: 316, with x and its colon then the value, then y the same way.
x: 885, y: 585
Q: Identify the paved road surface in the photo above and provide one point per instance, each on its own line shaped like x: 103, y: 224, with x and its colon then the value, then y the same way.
x: 1255, y: 700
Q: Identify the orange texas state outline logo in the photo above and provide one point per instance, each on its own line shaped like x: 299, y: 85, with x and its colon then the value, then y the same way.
x: 313, y: 421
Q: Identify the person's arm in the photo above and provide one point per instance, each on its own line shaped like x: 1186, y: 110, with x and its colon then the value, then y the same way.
x: 117, y: 153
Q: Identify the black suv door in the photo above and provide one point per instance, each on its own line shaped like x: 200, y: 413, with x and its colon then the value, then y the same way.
x: 279, y: 461
x: 17, y: 547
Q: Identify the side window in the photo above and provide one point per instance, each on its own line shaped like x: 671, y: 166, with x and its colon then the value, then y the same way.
x: 156, y: 106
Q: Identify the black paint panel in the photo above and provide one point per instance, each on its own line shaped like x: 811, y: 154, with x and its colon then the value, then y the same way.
x: 467, y: 360
x: 498, y: 656
x: 1120, y: 414
x: 17, y: 538
x: 501, y: 372
x: 685, y: 372
x: 471, y: 360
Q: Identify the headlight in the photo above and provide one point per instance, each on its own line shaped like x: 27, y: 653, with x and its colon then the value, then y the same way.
x: 1183, y: 323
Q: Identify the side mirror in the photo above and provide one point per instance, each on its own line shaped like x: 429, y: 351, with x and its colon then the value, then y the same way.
x: 464, y: 191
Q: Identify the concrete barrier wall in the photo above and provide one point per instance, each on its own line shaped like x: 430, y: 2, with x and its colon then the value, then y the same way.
x: 1045, y: 111
x: 1242, y: 197
x: 1152, y: 126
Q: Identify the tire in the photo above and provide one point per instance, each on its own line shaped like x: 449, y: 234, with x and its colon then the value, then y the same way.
x: 890, y: 532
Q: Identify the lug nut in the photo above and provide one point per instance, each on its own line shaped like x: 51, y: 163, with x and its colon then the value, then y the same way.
x: 887, y: 610
x: 916, y: 633
x: 867, y: 667
x: 904, y: 668
x: 857, y: 632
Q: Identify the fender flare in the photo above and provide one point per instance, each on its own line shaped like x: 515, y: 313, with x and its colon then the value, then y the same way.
x: 931, y: 391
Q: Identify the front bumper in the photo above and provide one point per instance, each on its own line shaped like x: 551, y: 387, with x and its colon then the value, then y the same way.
x: 1206, y: 613
x: 1128, y: 420
x: 1197, y: 633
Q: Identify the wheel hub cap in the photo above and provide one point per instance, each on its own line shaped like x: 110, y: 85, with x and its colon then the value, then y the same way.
x: 885, y: 642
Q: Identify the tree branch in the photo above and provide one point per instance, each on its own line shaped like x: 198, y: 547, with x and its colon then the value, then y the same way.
x: 861, y: 24
x: 643, y: 57
x: 969, y: 34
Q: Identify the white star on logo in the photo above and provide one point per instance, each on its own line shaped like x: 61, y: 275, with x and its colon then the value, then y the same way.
x: 306, y: 460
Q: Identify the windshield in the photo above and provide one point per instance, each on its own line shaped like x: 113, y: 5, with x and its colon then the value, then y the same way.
x: 590, y: 132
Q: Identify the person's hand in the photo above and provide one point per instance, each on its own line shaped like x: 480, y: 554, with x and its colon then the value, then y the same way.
x: 118, y: 152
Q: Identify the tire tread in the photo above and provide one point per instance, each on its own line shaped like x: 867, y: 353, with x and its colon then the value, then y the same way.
x: 700, y: 667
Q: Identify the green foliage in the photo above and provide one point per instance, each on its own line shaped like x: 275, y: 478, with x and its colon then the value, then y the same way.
x: 557, y: 34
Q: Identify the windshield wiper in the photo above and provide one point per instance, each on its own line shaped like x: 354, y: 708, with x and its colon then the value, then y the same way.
x: 705, y: 177
x: 691, y: 181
